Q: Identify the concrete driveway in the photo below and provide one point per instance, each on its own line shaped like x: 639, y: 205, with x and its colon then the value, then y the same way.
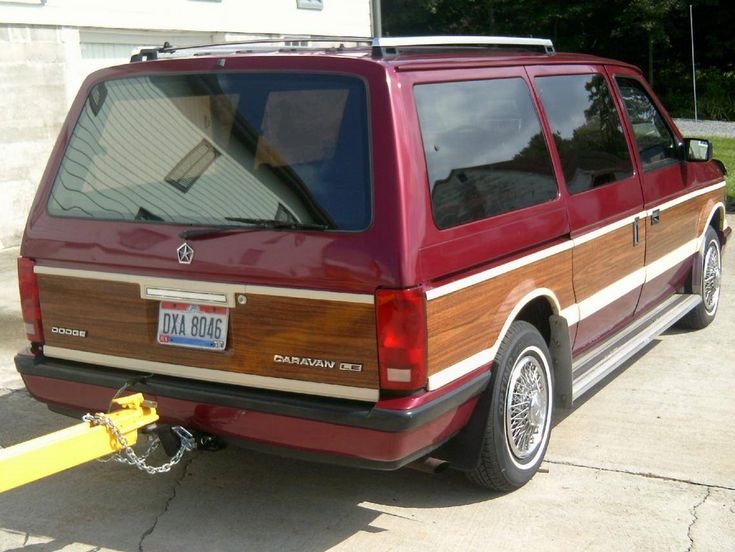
x: 645, y: 463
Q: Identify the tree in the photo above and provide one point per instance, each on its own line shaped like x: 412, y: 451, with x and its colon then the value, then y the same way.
x: 648, y: 33
x: 648, y: 18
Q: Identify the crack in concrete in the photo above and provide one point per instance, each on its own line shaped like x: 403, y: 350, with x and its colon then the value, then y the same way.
x: 695, y: 518
x: 642, y: 474
x: 166, y: 506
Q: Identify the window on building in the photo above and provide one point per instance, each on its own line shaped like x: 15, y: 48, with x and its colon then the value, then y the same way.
x: 485, y: 152
x: 587, y: 130
x: 310, y: 4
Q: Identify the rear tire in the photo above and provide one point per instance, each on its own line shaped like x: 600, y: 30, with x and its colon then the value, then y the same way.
x: 709, y: 289
x: 519, y: 421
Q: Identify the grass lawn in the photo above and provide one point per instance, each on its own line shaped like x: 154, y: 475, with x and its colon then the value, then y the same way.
x: 724, y: 150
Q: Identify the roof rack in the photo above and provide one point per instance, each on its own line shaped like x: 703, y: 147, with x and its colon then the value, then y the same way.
x: 381, y: 46
x: 390, y: 45
x: 146, y: 54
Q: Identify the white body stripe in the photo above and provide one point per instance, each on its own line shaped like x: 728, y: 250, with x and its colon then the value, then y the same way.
x: 189, y: 288
x: 577, y: 311
x: 487, y: 355
x: 218, y: 293
x: 219, y: 376
x: 600, y: 299
x: 687, y: 197
x: 594, y: 234
x: 496, y: 271
x: 571, y: 313
x: 463, y: 367
x: 672, y: 258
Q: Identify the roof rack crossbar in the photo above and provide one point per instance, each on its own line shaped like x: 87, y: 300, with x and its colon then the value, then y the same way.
x: 381, y: 44
x: 146, y: 54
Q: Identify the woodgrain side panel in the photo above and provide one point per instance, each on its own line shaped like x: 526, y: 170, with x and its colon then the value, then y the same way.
x: 120, y: 323
x: 603, y: 261
x: 708, y: 203
x: 677, y: 226
x: 468, y: 321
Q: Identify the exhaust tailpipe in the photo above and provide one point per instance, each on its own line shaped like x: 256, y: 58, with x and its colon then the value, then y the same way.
x: 429, y: 465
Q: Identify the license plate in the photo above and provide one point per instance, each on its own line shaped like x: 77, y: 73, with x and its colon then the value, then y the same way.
x: 194, y: 326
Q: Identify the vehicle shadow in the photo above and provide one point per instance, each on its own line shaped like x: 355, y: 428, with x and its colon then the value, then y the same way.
x: 229, y: 500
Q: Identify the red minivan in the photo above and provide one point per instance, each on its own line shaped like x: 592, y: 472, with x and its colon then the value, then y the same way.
x: 374, y: 254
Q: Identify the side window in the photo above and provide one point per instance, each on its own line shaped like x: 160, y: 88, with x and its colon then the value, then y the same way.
x: 655, y: 142
x: 485, y: 152
x: 587, y: 130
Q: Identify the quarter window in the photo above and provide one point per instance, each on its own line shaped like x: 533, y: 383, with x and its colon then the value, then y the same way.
x: 485, y: 152
x: 587, y: 130
x: 655, y: 142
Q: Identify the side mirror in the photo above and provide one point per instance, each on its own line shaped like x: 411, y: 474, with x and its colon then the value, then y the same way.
x: 698, y: 149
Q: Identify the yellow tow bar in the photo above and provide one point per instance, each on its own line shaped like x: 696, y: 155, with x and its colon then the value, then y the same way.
x: 61, y: 450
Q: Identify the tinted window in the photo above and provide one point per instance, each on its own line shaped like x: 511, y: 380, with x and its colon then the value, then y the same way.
x: 197, y: 149
x: 586, y: 129
x: 654, y: 140
x: 485, y: 153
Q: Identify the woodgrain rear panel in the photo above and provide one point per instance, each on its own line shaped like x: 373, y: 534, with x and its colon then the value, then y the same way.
x: 120, y: 323
x: 469, y: 321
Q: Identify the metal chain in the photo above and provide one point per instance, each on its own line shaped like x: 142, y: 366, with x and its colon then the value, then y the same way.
x: 128, y: 456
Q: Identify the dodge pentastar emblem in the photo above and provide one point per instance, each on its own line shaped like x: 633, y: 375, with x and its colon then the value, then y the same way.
x: 185, y: 253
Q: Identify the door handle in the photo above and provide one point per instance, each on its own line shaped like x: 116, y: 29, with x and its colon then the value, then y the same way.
x: 636, y: 236
x: 655, y: 216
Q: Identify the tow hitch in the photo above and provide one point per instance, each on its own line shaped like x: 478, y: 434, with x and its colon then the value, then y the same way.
x: 100, y: 435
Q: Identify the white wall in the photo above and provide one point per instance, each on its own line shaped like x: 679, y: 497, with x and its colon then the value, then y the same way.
x: 47, y: 47
x: 340, y: 17
x: 34, y: 94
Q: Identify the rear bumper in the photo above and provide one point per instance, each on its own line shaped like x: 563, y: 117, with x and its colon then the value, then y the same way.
x: 386, y: 435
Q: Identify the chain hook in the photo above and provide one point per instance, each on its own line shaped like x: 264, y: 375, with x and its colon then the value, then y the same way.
x: 128, y: 456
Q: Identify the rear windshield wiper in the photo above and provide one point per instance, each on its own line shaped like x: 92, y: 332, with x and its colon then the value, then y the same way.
x: 253, y: 224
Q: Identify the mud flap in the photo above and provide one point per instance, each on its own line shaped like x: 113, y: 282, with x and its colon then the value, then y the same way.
x: 560, y: 349
x: 463, y: 450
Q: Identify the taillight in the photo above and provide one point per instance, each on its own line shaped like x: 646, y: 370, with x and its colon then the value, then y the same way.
x: 401, y: 320
x: 29, y: 300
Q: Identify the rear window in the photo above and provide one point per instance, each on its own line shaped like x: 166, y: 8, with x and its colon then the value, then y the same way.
x: 485, y: 152
x: 202, y: 149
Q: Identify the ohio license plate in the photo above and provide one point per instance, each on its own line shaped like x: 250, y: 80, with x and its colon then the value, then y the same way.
x: 194, y: 326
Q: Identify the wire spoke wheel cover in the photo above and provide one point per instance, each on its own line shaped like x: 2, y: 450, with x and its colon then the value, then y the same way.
x: 712, y: 275
x: 526, y: 407
x: 519, y: 406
